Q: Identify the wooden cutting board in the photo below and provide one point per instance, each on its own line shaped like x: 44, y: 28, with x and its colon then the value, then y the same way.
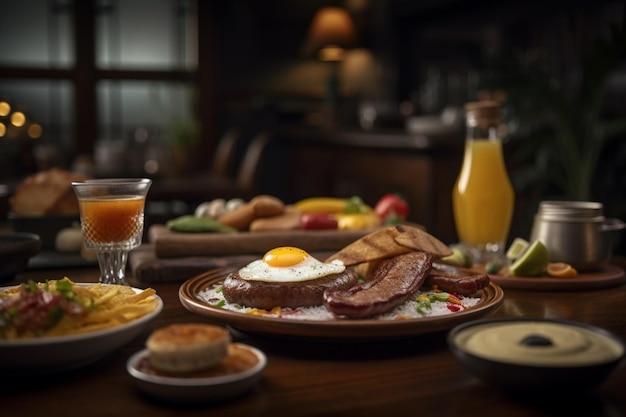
x: 147, y: 267
x: 168, y: 244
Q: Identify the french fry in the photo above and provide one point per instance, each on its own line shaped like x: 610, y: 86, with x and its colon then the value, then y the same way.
x: 107, y: 306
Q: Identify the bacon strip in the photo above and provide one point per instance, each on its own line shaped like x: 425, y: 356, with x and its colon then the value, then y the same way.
x: 395, y: 281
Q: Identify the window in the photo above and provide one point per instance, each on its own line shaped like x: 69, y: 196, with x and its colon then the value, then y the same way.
x: 94, y: 71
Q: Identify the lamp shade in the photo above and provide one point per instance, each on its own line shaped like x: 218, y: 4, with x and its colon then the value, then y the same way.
x: 331, y: 31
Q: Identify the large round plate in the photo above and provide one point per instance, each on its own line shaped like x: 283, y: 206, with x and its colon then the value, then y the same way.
x: 609, y: 276
x: 491, y: 299
x: 62, y: 353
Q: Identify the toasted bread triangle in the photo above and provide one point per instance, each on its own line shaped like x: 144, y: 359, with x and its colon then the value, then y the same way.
x: 419, y: 240
x: 388, y: 242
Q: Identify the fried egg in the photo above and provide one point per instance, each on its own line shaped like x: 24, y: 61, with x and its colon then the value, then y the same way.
x: 289, y: 264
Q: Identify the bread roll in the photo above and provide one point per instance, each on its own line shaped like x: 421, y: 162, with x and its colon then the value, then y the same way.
x: 240, y: 218
x: 187, y: 347
x: 290, y: 219
x: 267, y: 205
x: 259, y: 207
x: 47, y: 193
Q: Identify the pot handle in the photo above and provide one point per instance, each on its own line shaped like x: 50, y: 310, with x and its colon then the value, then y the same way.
x: 612, y: 224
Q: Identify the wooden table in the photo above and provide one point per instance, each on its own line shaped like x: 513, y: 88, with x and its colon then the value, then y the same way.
x: 417, y: 376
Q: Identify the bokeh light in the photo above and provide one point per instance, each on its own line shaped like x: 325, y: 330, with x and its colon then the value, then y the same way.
x: 151, y: 166
x: 5, y: 108
x: 35, y: 131
x: 18, y: 119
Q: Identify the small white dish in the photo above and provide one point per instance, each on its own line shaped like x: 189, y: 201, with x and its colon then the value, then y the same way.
x: 196, y: 389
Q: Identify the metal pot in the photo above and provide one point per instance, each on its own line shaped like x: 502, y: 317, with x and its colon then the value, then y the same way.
x: 575, y: 232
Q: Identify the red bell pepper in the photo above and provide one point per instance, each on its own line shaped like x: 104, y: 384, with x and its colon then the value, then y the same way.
x: 392, y: 206
x: 318, y: 221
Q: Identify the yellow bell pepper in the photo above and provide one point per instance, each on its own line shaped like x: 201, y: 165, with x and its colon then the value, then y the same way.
x: 322, y: 205
x: 357, y: 221
x: 351, y: 213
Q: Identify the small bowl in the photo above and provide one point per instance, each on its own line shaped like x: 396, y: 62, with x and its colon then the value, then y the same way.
x: 200, y: 389
x: 47, y: 227
x: 554, y: 354
x: 15, y: 251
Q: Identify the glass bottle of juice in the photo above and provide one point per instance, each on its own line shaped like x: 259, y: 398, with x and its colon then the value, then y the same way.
x: 483, y: 197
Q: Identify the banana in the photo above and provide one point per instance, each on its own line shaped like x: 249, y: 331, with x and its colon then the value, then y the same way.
x: 322, y: 205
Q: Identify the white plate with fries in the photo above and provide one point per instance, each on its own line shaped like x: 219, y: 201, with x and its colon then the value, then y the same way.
x: 125, y: 313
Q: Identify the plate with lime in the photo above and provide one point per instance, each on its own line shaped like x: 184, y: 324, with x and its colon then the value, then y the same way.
x: 527, y: 266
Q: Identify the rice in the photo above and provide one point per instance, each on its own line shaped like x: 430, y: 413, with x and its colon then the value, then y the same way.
x: 411, y: 309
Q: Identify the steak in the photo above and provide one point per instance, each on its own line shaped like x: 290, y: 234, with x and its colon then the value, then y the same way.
x: 267, y: 295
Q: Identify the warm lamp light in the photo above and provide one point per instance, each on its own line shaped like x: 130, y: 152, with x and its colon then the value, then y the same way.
x: 331, y: 32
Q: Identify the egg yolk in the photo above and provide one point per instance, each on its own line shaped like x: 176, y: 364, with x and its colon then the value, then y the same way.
x: 284, y: 256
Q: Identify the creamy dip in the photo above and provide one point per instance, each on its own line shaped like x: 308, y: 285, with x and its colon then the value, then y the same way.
x: 539, y: 344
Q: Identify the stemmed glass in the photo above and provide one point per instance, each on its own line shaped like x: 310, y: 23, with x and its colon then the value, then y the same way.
x: 112, y: 217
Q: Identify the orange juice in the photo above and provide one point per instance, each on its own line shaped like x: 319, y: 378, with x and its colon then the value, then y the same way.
x: 483, y: 196
x: 112, y: 219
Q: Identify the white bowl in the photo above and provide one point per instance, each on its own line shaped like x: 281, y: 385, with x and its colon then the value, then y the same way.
x: 201, y: 389
x: 54, y: 354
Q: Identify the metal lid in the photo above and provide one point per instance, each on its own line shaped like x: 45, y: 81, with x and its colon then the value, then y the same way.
x: 571, y: 211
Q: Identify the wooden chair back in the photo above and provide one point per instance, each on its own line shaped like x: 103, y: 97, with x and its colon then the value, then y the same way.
x: 224, y: 159
x: 249, y: 170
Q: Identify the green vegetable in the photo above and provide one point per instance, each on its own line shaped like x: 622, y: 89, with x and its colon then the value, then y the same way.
x: 355, y: 205
x: 438, y: 296
x: 65, y: 287
x: 458, y: 258
x: 422, y: 304
x: 192, y: 224
x: 31, y: 286
x: 493, y: 266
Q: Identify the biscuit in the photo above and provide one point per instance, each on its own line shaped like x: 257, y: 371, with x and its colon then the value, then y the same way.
x: 187, y: 347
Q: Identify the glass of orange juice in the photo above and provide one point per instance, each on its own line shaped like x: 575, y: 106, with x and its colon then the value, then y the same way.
x: 112, y: 217
x: 483, y: 197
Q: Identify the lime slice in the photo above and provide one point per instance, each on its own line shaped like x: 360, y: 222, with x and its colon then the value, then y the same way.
x: 517, y: 248
x: 533, y: 261
x: 458, y: 258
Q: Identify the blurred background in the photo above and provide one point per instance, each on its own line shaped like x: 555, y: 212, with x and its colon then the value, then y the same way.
x: 363, y: 99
